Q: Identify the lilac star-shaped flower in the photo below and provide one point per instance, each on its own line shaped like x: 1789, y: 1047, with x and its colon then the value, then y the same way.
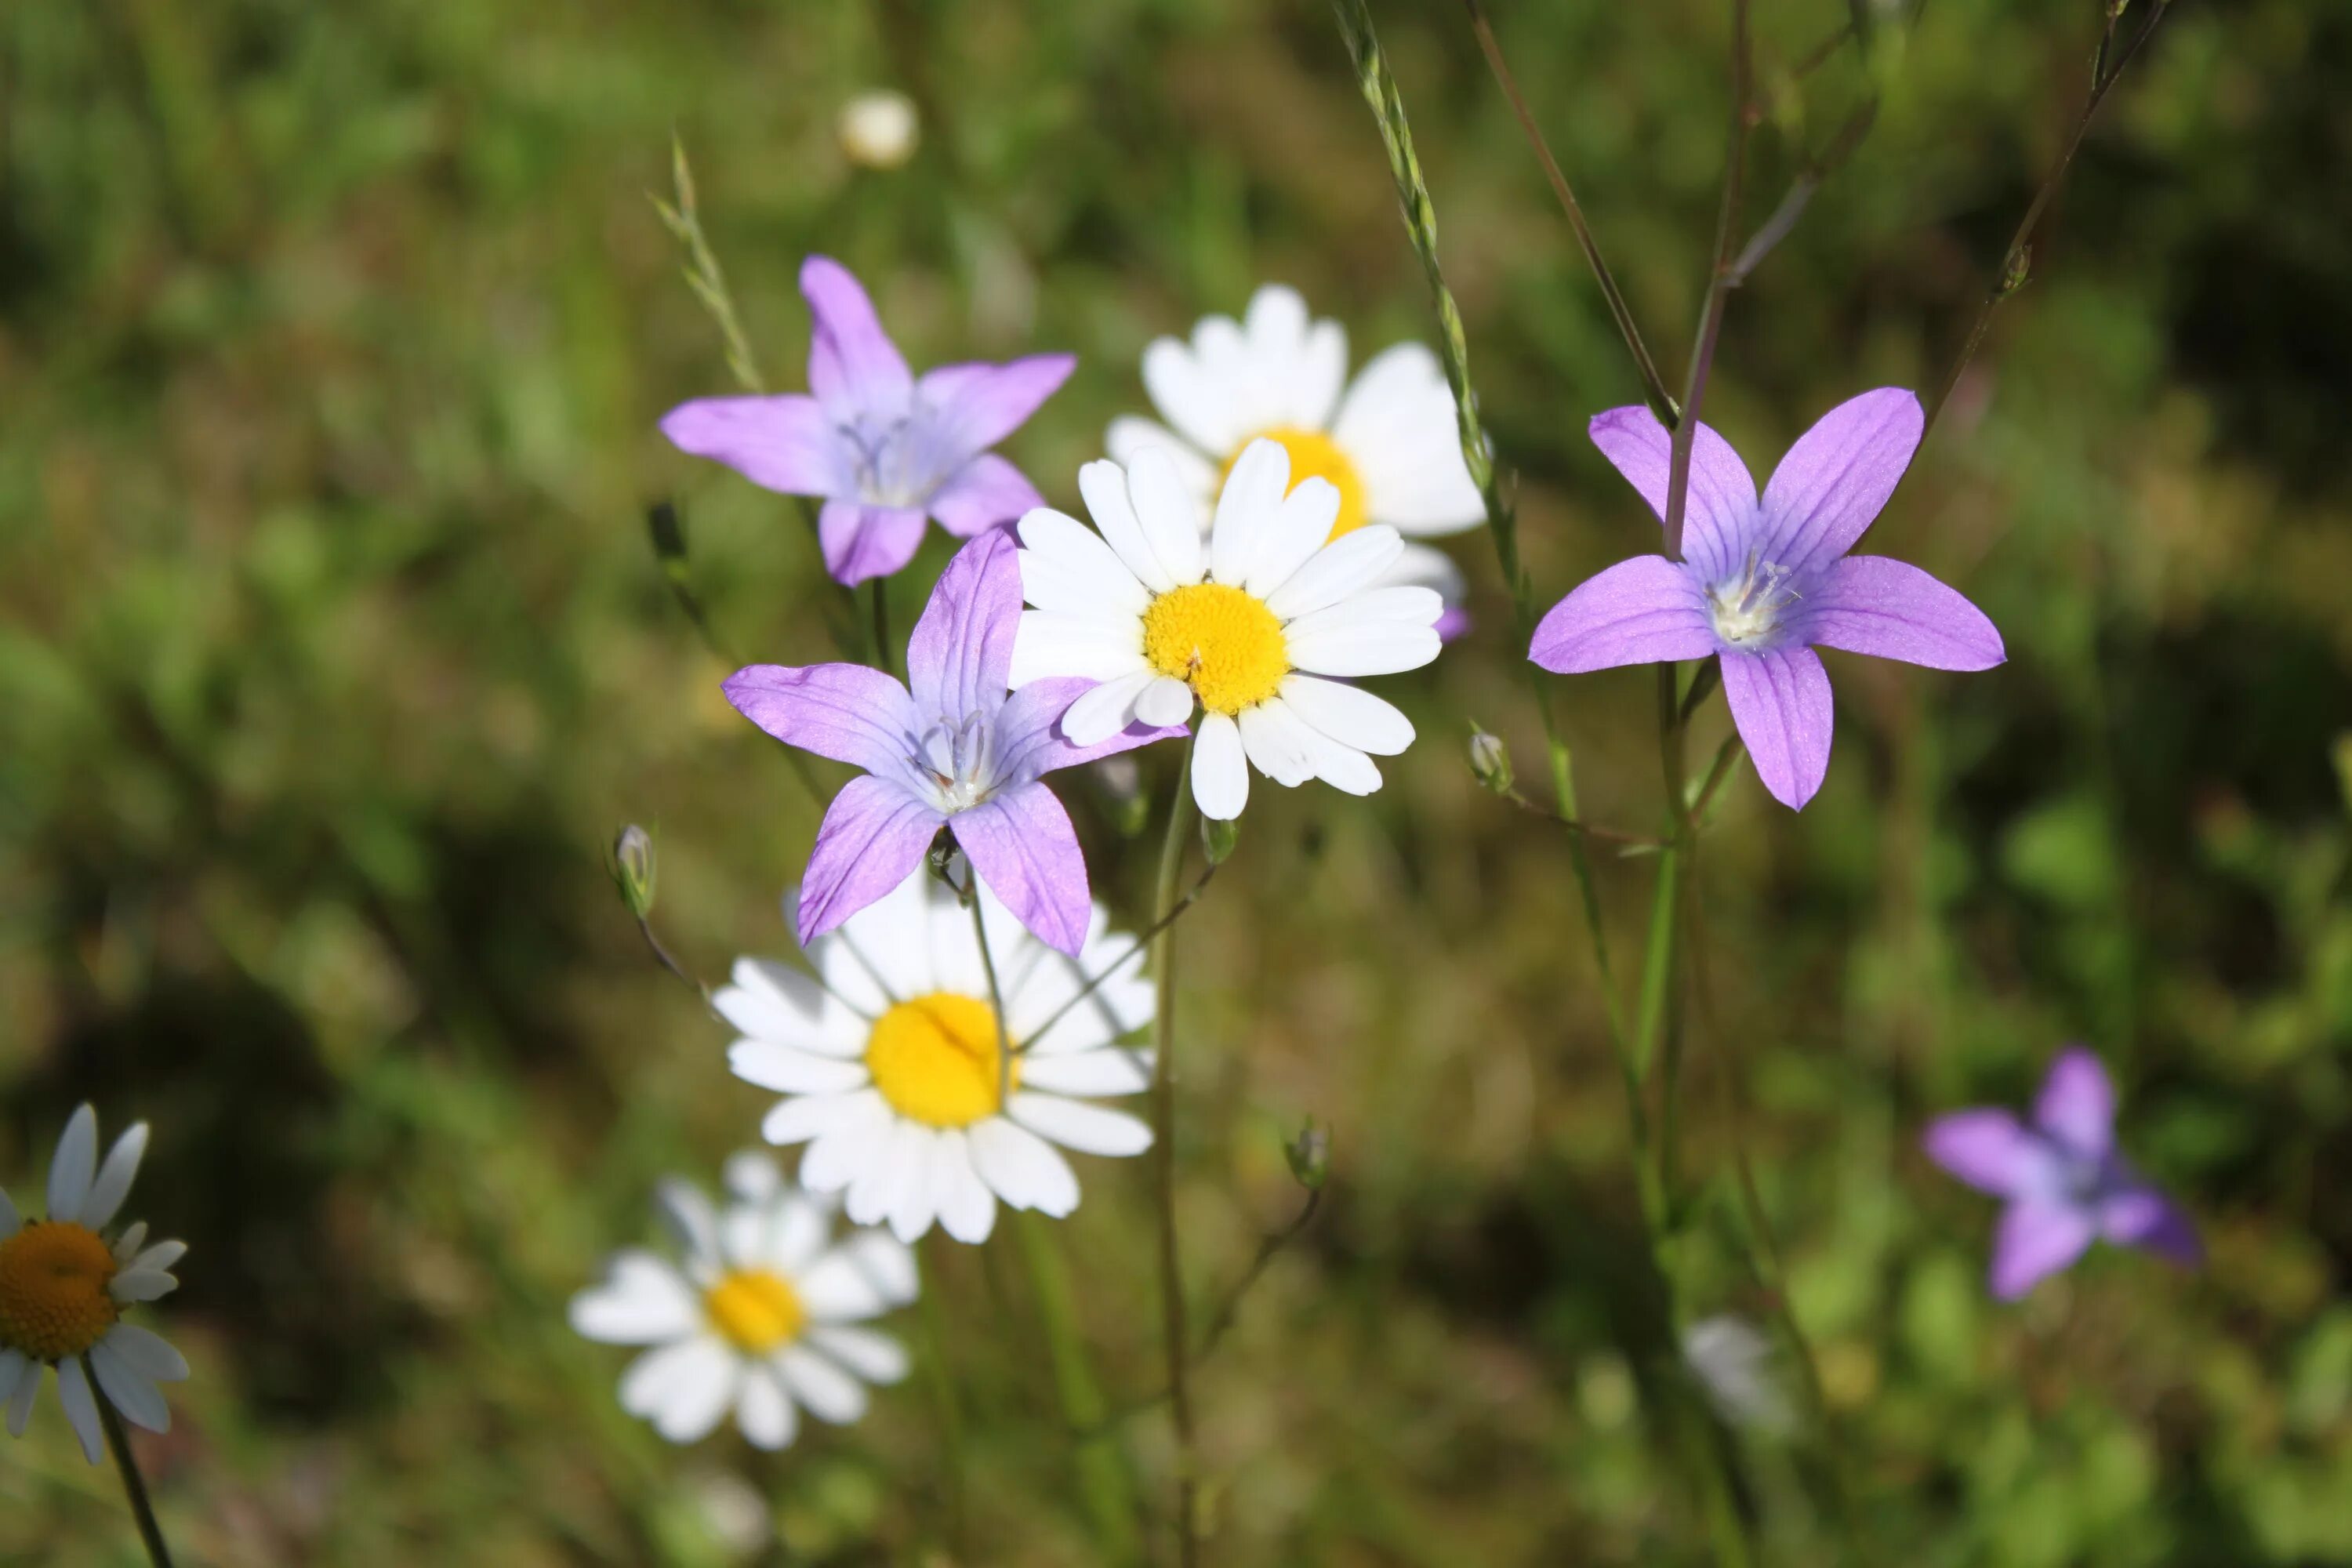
x: 882, y: 447
x: 956, y: 752
x: 2065, y: 1184
x: 1764, y: 583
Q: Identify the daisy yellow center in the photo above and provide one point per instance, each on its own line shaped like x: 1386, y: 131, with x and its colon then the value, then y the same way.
x: 756, y: 1311
x: 53, y: 1296
x: 1218, y: 640
x: 1314, y: 455
x: 935, y: 1059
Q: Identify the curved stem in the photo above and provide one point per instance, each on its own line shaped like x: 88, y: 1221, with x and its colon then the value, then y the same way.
x: 134, y: 1485
x: 1163, y: 1135
x: 1103, y: 1481
x: 1719, y: 285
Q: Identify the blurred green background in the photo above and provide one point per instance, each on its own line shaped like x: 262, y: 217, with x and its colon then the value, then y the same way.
x: 332, y: 652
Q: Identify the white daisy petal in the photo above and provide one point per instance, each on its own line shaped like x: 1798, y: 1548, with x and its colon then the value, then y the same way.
x: 1169, y: 518
x: 1220, y: 770
x: 1322, y: 371
x: 1109, y: 708
x: 915, y: 1202
x: 829, y: 1393
x: 1246, y: 510
x: 967, y: 1208
x: 789, y: 1071
x: 876, y: 1357
x: 127, y: 1245
x: 801, y: 1117
x: 893, y: 1173
x: 1378, y: 648
x: 1274, y: 746
x: 685, y: 1211
x: 839, y: 1152
x: 1129, y: 433
x: 1067, y: 568
x: 114, y: 1178
x: 142, y: 1284
x: 1089, y: 1128
x: 643, y: 1302
x: 20, y: 1403
x: 751, y: 1177
x: 1335, y: 763
x: 771, y: 1001
x: 1404, y: 606
x: 1046, y: 646
x: 141, y: 1402
x: 1190, y: 394
x: 886, y: 1265
x: 81, y: 1406
x: 685, y: 1389
x: 1346, y: 565
x: 1098, y: 1072
x: 798, y: 1233
x: 1398, y: 426
x: 765, y: 1411
x: 14, y: 1364
x: 1301, y: 526
x: 73, y: 1165
x: 1347, y: 714
x: 1104, y: 486
x: 148, y: 1354
x: 1022, y: 1168
x: 162, y: 1255
x: 1165, y: 702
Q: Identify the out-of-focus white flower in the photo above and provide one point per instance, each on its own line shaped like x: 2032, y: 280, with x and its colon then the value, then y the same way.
x: 879, y: 129
x: 1733, y: 1361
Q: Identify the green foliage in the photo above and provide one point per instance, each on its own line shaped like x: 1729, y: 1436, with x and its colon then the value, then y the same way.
x: 332, y: 651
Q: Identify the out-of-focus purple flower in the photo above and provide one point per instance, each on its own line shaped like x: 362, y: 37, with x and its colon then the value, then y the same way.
x: 883, y: 447
x: 955, y: 752
x: 1762, y: 582
x: 2066, y: 1184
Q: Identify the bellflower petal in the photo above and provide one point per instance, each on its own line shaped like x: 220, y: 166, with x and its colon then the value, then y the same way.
x: 862, y: 542
x: 873, y: 838
x: 1873, y: 604
x: 1023, y: 847
x: 1991, y: 1151
x: 1780, y: 700
x: 2139, y: 1215
x: 845, y: 711
x: 2077, y: 1105
x: 785, y: 444
x: 1835, y: 480
x: 977, y: 405
x: 1644, y: 611
x: 1719, y: 511
x: 960, y: 652
x: 2033, y: 1241
x: 986, y: 492
x: 854, y: 367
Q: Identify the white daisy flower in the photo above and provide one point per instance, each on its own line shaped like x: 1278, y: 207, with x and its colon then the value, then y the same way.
x: 1390, y: 444
x: 63, y: 1287
x: 1248, y: 622
x: 891, y: 1071
x: 761, y: 1318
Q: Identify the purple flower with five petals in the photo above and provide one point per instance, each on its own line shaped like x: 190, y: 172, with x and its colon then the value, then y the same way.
x: 955, y: 753
x: 2065, y: 1184
x: 1764, y: 583
x: 883, y: 447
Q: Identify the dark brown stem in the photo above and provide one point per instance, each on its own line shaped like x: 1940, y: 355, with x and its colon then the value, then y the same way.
x: 134, y: 1485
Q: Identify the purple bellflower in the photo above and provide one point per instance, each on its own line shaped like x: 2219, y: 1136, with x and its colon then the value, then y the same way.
x: 883, y: 447
x: 2066, y: 1184
x: 956, y: 752
x: 1764, y: 583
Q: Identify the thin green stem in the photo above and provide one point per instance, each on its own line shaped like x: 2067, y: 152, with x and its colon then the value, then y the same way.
x: 1718, y: 283
x: 931, y: 1322
x: 1192, y: 895
x: 1172, y: 1325
x: 2017, y: 261
x: 134, y: 1485
x: 1103, y: 1481
x: 1380, y: 90
x: 683, y: 218
x: 1653, y: 386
